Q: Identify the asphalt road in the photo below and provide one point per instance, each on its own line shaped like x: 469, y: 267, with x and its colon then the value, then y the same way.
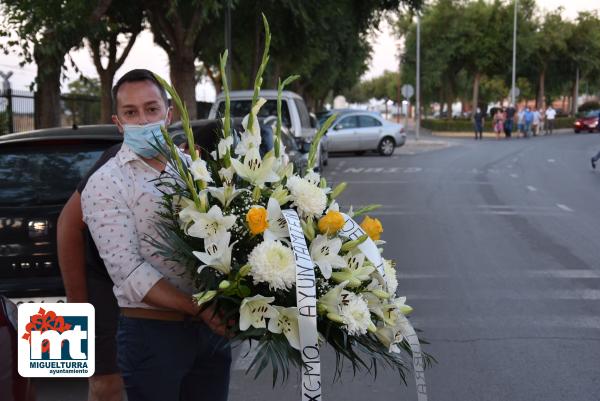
x: 497, y: 252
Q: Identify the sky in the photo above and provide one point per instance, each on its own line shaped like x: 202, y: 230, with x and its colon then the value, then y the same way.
x: 145, y: 54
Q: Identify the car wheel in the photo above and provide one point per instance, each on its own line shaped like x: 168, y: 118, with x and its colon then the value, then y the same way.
x: 325, y: 158
x: 386, y: 146
x: 577, y: 131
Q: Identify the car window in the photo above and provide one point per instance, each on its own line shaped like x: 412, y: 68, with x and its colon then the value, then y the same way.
x: 347, y: 122
x: 240, y: 108
x: 368, y: 121
x: 44, y: 174
x: 303, y: 112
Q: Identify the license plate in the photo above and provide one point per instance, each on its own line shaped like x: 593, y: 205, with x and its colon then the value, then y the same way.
x: 18, y: 301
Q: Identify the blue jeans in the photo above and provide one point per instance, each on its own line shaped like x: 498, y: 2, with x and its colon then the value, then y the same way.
x: 165, y: 360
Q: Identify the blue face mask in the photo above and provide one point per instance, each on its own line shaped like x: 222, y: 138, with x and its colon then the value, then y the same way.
x: 140, y: 138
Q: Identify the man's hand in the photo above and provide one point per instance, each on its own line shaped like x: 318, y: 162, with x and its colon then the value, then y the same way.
x: 215, y: 322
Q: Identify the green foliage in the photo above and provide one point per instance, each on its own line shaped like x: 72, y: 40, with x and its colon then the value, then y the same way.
x: 589, y: 106
x: 384, y: 86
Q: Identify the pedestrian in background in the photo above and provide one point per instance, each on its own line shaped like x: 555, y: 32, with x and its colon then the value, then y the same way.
x: 521, y: 121
x: 498, y: 122
x: 509, y: 120
x: 527, y: 121
x: 536, y: 122
x: 550, y: 116
x: 479, y: 121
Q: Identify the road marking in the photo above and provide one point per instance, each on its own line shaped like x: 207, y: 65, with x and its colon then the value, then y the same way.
x: 384, y: 170
x: 564, y: 207
x: 551, y: 160
x: 514, y: 175
x: 532, y: 189
x: 581, y: 273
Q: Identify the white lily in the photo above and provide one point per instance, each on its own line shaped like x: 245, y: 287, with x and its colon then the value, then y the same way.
x: 255, y: 310
x: 200, y: 171
x: 395, y: 311
x: 324, y: 252
x: 355, y: 273
x: 287, y: 323
x: 330, y: 302
x: 224, y: 145
x: 255, y: 170
x: 217, y: 253
x: 277, y: 228
x: 225, y: 194
x: 211, y: 223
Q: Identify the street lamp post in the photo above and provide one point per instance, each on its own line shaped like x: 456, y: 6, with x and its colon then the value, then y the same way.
x: 514, y: 61
x: 228, y: 40
x: 418, y: 80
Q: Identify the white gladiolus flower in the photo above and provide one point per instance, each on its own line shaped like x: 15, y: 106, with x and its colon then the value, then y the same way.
x: 188, y: 212
x: 200, y: 171
x: 226, y: 175
x: 211, y: 223
x: 391, y: 280
x: 217, y: 253
x: 330, y: 302
x: 355, y: 314
x: 286, y: 323
x: 308, y: 198
x: 246, y: 143
x: 255, y: 170
x: 224, y: 145
x: 255, y: 129
x: 277, y: 225
x: 255, y: 310
x: 273, y: 263
x: 324, y: 252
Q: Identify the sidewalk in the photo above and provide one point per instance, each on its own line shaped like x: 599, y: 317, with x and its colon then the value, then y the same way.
x: 491, y: 135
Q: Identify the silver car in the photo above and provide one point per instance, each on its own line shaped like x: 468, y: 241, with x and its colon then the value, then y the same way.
x: 359, y: 131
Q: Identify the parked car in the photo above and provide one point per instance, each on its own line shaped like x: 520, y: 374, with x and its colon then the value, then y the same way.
x: 13, y: 387
x: 39, y: 171
x: 588, y: 122
x: 360, y: 131
x: 294, y: 115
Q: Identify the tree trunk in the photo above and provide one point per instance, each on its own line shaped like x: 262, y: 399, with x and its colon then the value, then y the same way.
x: 106, y: 110
x: 542, y: 90
x: 183, y: 79
x: 47, y: 99
x: 575, y: 93
x: 476, y: 82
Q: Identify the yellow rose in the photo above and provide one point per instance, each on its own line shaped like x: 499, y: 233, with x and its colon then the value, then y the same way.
x: 257, y: 220
x: 372, y: 227
x: 331, y: 223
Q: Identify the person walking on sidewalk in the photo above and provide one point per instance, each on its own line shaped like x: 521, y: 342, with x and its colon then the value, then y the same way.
x: 498, y: 122
x: 479, y: 121
x: 521, y: 121
x: 535, y: 128
x: 550, y: 116
x: 528, y: 121
x: 509, y: 117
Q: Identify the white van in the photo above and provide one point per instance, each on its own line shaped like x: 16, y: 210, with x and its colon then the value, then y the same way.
x: 294, y: 115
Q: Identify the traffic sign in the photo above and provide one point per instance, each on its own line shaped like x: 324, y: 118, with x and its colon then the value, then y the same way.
x: 407, y: 91
x: 516, y: 90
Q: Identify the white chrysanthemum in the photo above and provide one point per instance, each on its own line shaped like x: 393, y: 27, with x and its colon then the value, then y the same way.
x: 273, y: 263
x: 390, y: 276
x: 308, y: 198
x: 355, y: 313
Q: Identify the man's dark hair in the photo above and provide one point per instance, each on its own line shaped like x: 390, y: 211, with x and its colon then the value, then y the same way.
x: 136, y: 76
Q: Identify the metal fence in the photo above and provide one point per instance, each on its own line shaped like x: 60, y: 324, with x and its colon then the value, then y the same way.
x: 18, y: 114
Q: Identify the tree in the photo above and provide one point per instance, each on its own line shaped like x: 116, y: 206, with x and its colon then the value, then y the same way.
x: 81, y: 103
x: 326, y: 43
x: 116, y: 33
x: 177, y: 28
x: 385, y: 86
x: 45, y: 32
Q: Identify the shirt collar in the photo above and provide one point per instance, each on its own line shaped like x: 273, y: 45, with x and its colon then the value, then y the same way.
x: 126, y: 155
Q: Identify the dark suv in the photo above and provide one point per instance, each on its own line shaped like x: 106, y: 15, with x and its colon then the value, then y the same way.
x: 39, y: 170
